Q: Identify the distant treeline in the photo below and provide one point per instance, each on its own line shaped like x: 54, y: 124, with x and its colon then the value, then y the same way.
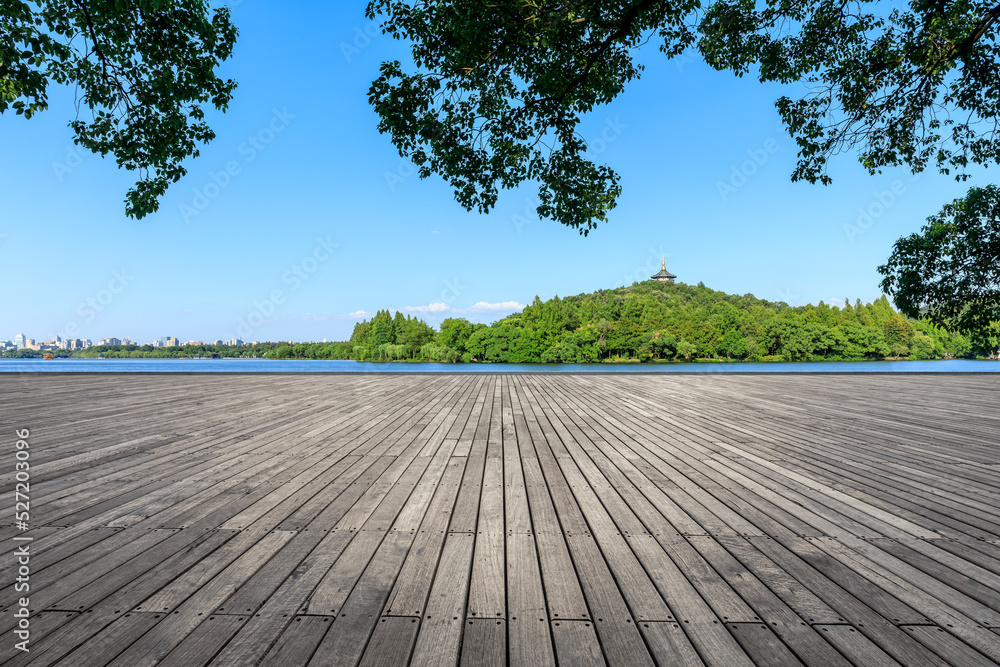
x: 150, y: 352
x: 34, y: 354
x: 653, y: 321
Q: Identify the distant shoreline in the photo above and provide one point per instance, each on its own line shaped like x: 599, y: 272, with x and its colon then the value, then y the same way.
x: 347, y: 367
x: 606, y: 362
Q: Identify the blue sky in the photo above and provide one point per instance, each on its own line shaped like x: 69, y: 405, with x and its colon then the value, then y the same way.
x: 300, y: 218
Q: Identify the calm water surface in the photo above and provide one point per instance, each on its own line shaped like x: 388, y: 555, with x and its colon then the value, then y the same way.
x: 325, y: 366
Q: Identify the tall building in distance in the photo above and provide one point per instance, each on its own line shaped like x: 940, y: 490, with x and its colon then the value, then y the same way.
x: 20, y: 341
x: 110, y: 341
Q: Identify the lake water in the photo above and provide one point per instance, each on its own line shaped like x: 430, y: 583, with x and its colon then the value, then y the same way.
x: 330, y: 366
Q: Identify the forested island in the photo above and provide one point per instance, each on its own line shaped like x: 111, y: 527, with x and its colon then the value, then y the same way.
x: 645, y: 322
x: 653, y: 321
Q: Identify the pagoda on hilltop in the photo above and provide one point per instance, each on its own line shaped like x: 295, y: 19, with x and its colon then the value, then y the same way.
x: 663, y: 276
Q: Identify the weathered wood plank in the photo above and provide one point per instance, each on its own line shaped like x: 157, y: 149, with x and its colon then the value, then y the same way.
x: 529, y: 638
x: 763, y: 646
x: 951, y: 649
x: 576, y: 644
x: 199, y: 647
x: 484, y: 643
x: 391, y: 642
x: 858, y: 648
x: 444, y: 619
x: 670, y: 646
x: 297, y: 643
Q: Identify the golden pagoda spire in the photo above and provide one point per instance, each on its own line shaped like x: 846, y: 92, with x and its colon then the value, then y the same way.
x: 663, y: 266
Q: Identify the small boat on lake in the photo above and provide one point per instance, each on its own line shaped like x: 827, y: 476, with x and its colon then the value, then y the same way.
x: 48, y: 356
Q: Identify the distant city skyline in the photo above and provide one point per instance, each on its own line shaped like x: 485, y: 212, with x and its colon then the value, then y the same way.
x: 22, y: 342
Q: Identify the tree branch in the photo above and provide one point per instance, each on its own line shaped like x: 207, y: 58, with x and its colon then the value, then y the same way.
x: 965, y: 46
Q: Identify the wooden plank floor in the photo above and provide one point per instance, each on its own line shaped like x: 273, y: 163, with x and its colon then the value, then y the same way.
x: 466, y: 519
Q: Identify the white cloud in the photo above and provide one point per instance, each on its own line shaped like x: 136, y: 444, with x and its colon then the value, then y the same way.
x: 359, y: 314
x: 430, y: 308
x: 482, y: 306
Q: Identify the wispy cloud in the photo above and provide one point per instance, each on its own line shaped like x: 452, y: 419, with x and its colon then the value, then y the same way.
x: 482, y: 306
x: 359, y: 314
x: 429, y: 308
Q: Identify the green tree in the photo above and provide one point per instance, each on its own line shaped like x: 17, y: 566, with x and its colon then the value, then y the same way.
x: 847, y: 312
x: 361, y: 332
x: 145, y: 69
x: 499, y: 88
x: 949, y: 272
x: 411, y: 332
x: 922, y: 347
x: 855, y: 341
x: 381, y: 329
x: 660, y: 344
x: 733, y: 345
x: 898, y: 333
x: 686, y: 349
x: 563, y: 352
x: 455, y: 333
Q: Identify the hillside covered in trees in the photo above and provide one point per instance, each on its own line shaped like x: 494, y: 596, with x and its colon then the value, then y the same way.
x: 653, y: 321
